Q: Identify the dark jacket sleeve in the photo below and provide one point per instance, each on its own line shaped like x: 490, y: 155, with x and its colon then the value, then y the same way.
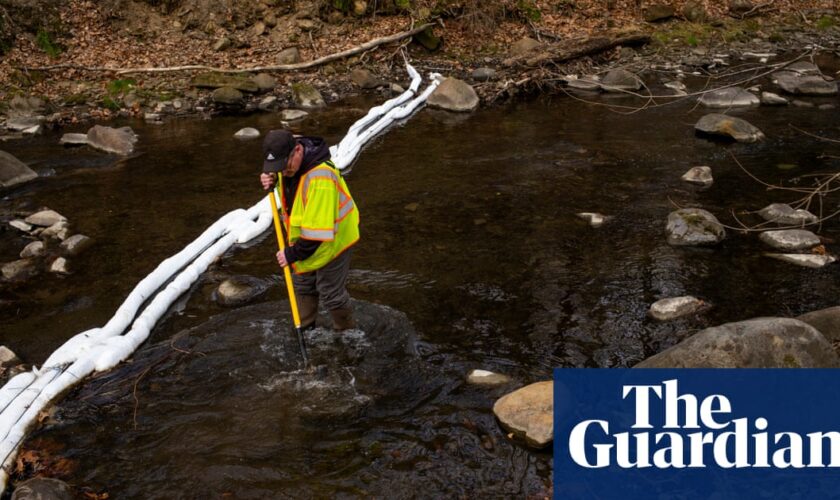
x: 301, y: 250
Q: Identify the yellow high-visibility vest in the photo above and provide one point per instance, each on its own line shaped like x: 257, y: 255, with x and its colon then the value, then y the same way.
x: 322, y: 210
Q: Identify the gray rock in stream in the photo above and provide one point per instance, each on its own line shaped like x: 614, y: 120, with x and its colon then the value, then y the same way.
x: 76, y: 244
x: 675, y: 307
x: 620, y: 80
x: 247, y: 133
x: 14, y: 171
x: 18, y: 270
x: 827, y: 321
x: 730, y: 97
x: 808, y: 85
x: 785, y: 215
x: 454, y: 95
x: 33, y: 249
x: 240, y: 290
x: 771, y: 99
x: 112, y: 140
x: 790, y: 239
x: 694, y: 226
x: 755, y: 343
x: 73, y: 139
x: 484, y: 377
x: 45, y: 218
x: 700, y: 176
x: 729, y: 126
x: 814, y: 261
x: 529, y: 413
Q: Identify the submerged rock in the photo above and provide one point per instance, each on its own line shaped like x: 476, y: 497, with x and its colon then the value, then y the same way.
x: 293, y: 114
x: 588, y: 82
x: 60, y: 266
x: 33, y: 249
x: 454, y: 95
x: 21, y: 225
x: 701, y: 176
x: 112, y: 140
x: 784, y: 214
x: 790, y: 239
x: 240, y: 290
x: 694, y: 226
x: 73, y: 140
x: 14, y: 171
x: 675, y: 307
x: 43, y: 488
x: 247, y: 133
x: 59, y: 231
x: 755, y: 343
x: 729, y: 126
x: 730, y: 97
x: 76, y: 244
x: 594, y: 219
x: 18, y: 270
x: 805, y: 260
x: 484, y: 377
x: 529, y: 412
x: 45, y: 218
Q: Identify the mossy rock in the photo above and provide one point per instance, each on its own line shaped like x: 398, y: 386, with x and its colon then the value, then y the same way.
x: 428, y: 39
x: 219, y: 80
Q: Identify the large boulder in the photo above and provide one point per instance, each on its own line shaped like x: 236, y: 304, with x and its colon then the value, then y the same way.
x: 112, y: 140
x: 620, y: 80
x: 730, y: 97
x: 694, y: 226
x: 790, y: 239
x: 784, y: 214
x: 805, y: 84
x: 529, y: 413
x: 43, y: 488
x: 827, y: 321
x: 728, y: 126
x: 454, y: 95
x: 219, y: 80
x: 14, y: 171
x: 755, y: 343
x: 307, y: 96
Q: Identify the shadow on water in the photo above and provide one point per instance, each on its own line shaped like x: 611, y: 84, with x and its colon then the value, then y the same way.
x: 468, y: 228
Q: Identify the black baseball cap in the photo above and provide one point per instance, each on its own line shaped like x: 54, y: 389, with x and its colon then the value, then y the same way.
x: 277, y: 147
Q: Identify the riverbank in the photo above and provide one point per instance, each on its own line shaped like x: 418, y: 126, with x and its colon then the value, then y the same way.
x: 71, y: 62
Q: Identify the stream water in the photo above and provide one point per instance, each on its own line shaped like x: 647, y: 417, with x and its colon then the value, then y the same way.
x: 468, y: 229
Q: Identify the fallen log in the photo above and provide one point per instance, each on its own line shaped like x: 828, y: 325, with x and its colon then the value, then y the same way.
x: 581, y: 48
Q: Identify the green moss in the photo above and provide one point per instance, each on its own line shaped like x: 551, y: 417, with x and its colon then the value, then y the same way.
x: 75, y: 100
x: 790, y: 362
x: 529, y: 10
x: 109, y: 103
x: 45, y: 42
x: 692, y: 34
x: 776, y: 38
x: 825, y: 22
x: 118, y: 87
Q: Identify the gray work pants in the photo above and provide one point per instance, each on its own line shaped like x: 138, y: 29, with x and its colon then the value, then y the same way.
x: 329, y: 283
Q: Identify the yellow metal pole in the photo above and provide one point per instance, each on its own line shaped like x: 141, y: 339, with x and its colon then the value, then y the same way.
x: 290, y: 288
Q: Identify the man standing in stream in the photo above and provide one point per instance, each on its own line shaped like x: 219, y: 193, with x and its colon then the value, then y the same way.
x: 320, y: 219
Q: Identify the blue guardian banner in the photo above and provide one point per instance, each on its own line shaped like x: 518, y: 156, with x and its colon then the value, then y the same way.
x: 696, y: 433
